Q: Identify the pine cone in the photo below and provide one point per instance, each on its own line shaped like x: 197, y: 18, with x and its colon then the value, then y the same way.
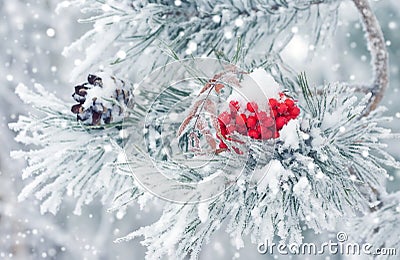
x: 102, y: 100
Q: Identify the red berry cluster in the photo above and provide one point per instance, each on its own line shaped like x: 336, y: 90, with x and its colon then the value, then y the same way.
x: 283, y: 110
x: 254, y: 123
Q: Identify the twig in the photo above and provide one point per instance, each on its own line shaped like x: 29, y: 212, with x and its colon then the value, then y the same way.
x: 360, y: 88
x: 379, y: 55
x: 379, y: 61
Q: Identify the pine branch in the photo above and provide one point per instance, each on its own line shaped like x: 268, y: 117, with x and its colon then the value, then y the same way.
x: 379, y: 61
x: 310, y: 184
x: 315, y: 180
x: 212, y: 26
x: 69, y: 157
x: 380, y: 228
x: 379, y: 55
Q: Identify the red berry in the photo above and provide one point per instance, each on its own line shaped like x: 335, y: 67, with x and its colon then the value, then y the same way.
x: 266, y: 133
x: 251, y: 121
x: 276, y: 134
x: 282, y: 108
x: 291, y: 117
x: 253, y: 134
x: 234, y: 106
x: 241, y: 129
x: 241, y: 119
x: 222, y: 145
x: 230, y: 129
x: 267, y: 122
x: 289, y: 103
x: 225, y: 117
x: 273, y: 102
x: 252, y: 107
x: 294, y: 112
x: 280, y: 122
x: 274, y: 113
x: 262, y: 115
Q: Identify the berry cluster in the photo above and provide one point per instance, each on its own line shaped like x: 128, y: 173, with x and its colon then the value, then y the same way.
x: 283, y: 110
x: 256, y: 124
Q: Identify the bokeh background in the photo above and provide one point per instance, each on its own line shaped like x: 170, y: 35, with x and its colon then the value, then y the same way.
x: 32, y: 37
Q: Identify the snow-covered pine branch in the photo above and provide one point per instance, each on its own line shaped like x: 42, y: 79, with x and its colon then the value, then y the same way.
x: 325, y: 163
x: 129, y: 34
x: 381, y: 227
x: 66, y: 157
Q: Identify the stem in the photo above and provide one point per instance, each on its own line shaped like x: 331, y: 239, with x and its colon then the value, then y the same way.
x: 378, y: 51
x: 379, y: 61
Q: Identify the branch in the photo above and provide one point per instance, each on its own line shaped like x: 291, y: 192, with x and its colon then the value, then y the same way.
x: 378, y: 51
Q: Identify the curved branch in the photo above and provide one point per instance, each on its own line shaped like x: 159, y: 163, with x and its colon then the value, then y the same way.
x: 378, y: 51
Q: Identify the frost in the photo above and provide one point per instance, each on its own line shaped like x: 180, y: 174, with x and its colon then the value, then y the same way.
x: 326, y: 167
x: 381, y: 227
x: 162, y: 27
x: 68, y: 158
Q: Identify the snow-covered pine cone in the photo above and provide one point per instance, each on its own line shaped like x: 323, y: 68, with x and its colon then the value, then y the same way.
x: 101, y: 100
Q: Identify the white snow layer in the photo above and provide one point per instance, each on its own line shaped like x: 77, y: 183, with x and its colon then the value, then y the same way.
x: 203, y: 211
x: 257, y: 87
x: 275, y: 173
x: 289, y: 134
x: 302, y: 188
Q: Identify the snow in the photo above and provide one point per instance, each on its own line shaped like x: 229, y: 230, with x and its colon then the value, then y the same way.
x: 333, y: 118
x: 302, y: 187
x: 101, y: 93
x: 274, y: 173
x: 290, y: 134
x: 203, y: 211
x: 317, y: 139
x: 257, y: 87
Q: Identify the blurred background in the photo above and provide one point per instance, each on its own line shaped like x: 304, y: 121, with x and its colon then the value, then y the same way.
x: 33, y: 36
